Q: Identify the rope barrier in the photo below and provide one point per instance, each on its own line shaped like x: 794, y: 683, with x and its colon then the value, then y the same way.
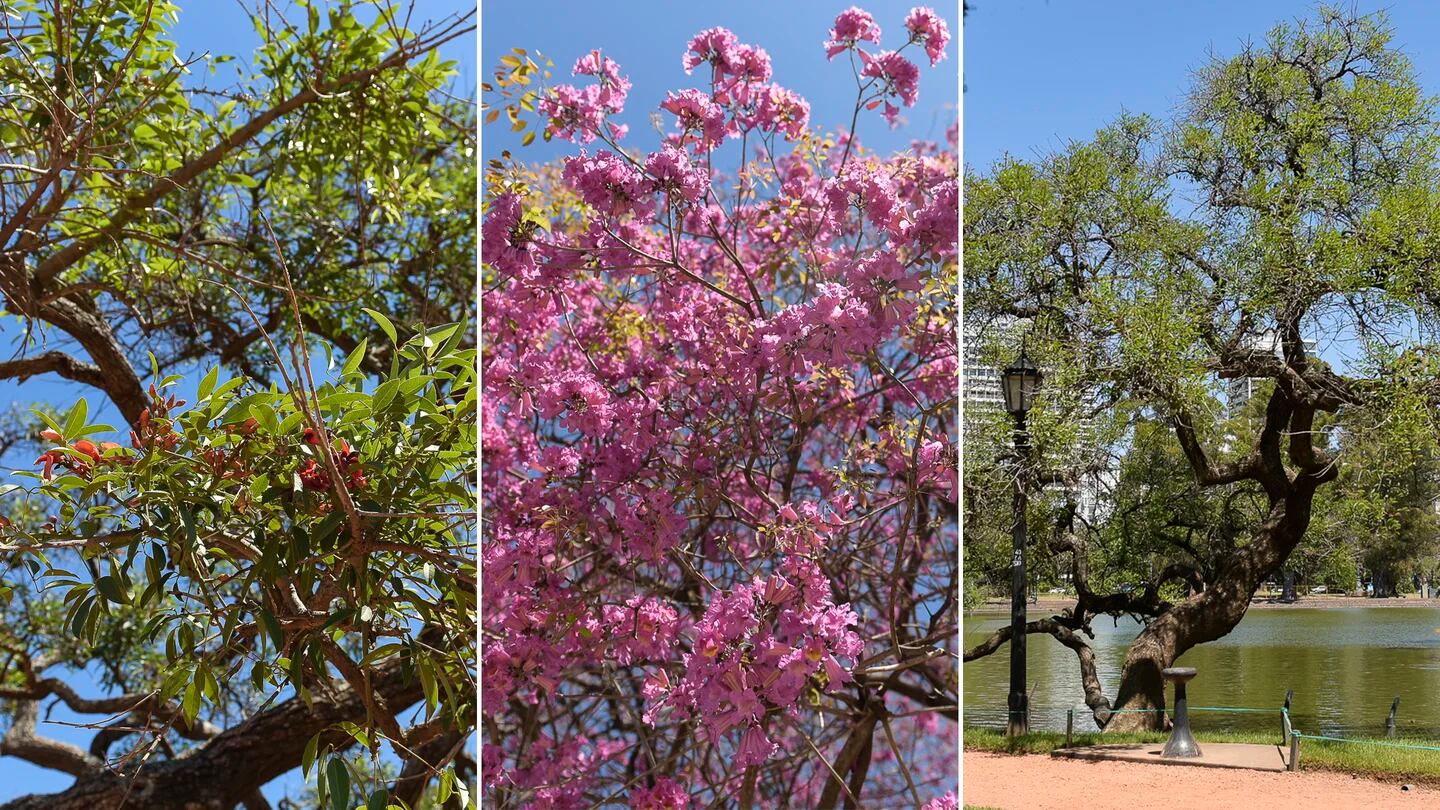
x: 1381, y: 743
x: 1194, y: 709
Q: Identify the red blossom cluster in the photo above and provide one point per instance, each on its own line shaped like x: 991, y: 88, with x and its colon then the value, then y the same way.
x: 312, y: 473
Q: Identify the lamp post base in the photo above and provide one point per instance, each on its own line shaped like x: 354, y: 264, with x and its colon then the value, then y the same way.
x: 1019, y: 722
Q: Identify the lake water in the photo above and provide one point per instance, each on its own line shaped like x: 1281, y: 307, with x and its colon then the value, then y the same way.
x: 1346, y: 665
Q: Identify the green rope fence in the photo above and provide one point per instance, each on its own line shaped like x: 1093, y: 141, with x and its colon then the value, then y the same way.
x: 1290, y: 735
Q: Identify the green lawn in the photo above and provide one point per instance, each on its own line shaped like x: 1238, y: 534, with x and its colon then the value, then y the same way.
x: 1370, y: 760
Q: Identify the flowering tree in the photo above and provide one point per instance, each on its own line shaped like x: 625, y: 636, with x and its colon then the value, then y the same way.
x: 717, y: 415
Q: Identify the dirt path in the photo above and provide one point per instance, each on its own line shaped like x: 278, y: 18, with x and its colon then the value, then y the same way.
x: 1014, y: 782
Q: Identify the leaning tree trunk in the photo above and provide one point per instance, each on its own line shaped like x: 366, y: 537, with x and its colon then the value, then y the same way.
x: 1207, y: 616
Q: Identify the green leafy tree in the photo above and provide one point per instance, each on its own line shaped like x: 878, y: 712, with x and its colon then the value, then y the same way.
x: 278, y: 572
x: 1295, y: 197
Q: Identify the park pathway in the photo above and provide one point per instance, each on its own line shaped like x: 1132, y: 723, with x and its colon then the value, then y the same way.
x: 1032, y: 782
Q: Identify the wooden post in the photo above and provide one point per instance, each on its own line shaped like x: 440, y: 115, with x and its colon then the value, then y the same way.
x: 1070, y: 727
x: 1390, y: 721
x: 1294, y: 764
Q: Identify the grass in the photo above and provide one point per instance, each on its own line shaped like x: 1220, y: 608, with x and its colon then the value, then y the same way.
x: 1376, y: 761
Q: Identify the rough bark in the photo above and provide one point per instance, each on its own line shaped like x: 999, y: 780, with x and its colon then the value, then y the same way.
x: 232, y: 766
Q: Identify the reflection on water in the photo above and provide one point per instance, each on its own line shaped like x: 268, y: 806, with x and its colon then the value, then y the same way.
x: 1345, y: 664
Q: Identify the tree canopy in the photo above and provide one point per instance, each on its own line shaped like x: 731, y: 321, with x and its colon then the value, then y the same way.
x: 719, y: 554
x: 264, y: 269
x: 1281, y: 231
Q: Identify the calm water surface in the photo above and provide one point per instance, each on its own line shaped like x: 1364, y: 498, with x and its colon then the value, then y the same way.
x: 1345, y: 664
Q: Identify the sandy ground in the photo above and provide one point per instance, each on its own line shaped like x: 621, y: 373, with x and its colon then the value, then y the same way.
x: 1013, y: 782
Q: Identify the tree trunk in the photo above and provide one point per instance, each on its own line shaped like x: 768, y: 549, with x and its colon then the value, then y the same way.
x: 1287, y: 590
x: 229, y: 768
x: 1383, y: 583
x: 1205, y: 617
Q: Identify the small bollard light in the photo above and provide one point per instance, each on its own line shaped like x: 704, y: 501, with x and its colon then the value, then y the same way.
x: 1181, y: 742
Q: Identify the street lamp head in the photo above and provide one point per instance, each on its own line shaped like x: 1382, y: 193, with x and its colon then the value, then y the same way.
x: 1020, y: 381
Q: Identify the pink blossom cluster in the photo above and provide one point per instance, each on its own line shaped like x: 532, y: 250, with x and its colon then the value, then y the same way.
x: 609, y: 182
x: 898, y: 77
x: 665, y: 794
x: 672, y: 172
x: 698, y: 115
x: 709, y: 433
x: 577, y: 114
x: 945, y: 802
x: 756, y: 649
x: 929, y: 29
x: 505, y: 243
x: 853, y: 26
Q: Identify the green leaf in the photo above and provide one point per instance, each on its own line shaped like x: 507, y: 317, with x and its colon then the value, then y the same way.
x: 272, y: 628
x: 446, y: 786
x: 427, y: 682
x: 385, y: 325
x: 75, y: 420
x: 352, y: 363
x: 190, y: 704
x: 208, y: 383
x: 110, y: 589
x: 308, y: 758
x: 379, y: 800
x: 339, y: 779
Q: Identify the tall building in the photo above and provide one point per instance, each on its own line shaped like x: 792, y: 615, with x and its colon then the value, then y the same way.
x: 981, y: 393
x: 979, y: 383
x: 1239, y: 391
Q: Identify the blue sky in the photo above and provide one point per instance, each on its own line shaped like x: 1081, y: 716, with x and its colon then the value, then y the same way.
x: 1041, y: 73
x: 648, y: 39
x: 219, y: 27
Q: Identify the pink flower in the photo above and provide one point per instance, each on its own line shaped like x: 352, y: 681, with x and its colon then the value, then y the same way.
x: 755, y: 748
x: 671, y: 171
x: 577, y: 115
x: 697, y: 113
x: 928, y: 28
x: 861, y: 187
x: 788, y: 512
x: 505, y: 239
x: 585, y: 403
x: 937, y: 225
x: 608, y: 182
x: 946, y: 802
x: 900, y: 78
x: 665, y: 795
x: 713, y: 45
x: 852, y: 26
x: 750, y: 64
x: 559, y: 462
x: 781, y: 110
x: 778, y: 591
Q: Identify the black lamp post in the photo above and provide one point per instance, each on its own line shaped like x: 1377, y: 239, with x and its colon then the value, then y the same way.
x: 1019, y: 382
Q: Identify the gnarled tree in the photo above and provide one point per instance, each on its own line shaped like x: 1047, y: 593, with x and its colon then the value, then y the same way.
x: 1281, y: 230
